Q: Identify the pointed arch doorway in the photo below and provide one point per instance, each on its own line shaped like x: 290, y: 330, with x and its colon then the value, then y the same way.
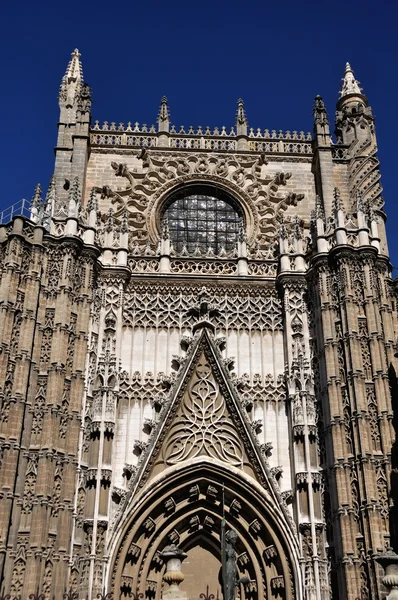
x: 183, y: 505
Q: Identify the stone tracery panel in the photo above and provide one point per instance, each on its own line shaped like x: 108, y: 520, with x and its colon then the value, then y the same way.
x: 259, y: 191
x: 202, y: 425
x: 167, y: 306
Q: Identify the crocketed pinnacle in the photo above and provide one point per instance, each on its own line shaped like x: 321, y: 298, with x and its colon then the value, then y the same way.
x: 50, y: 195
x: 74, y: 69
x: 73, y: 78
x: 350, y: 84
x: 337, y: 203
x: 75, y: 192
x: 241, y: 117
x: 37, y: 199
x: 319, y: 210
x: 164, y: 111
x: 124, y: 223
x: 92, y: 203
x: 319, y: 111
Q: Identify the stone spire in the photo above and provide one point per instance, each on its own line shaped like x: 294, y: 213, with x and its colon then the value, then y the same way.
x: 354, y: 119
x: 72, y: 80
x: 350, y: 84
x: 73, y: 130
x: 164, y: 115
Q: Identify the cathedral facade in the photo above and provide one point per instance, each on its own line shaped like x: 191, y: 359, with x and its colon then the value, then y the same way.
x: 198, y: 323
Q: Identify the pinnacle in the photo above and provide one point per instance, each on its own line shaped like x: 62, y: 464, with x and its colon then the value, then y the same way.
x: 164, y: 111
x: 37, y: 199
x: 241, y: 117
x: 350, y: 84
x: 319, y: 210
x: 50, y: 195
x: 337, y: 203
x: 74, y: 191
x: 73, y: 78
x: 74, y: 70
x: 92, y: 203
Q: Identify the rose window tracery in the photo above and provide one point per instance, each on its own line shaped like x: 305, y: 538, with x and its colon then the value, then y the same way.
x: 203, y: 218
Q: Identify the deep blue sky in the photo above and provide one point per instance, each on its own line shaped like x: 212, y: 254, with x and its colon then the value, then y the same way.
x: 203, y: 55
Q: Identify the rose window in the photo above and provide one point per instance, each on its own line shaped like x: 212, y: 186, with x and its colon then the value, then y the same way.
x: 203, y: 219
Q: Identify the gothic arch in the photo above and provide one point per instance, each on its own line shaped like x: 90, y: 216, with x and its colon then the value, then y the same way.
x: 161, y: 198
x: 184, y: 505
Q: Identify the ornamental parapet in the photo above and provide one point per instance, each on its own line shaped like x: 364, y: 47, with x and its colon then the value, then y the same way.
x: 215, y: 140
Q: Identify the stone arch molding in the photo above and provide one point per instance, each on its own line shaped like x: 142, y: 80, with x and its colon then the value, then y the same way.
x: 202, y: 442
x: 183, y: 505
x: 261, y: 194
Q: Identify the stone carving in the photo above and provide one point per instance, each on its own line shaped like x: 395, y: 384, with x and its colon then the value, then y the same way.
x: 203, y: 426
x: 166, y: 307
x: 244, y: 176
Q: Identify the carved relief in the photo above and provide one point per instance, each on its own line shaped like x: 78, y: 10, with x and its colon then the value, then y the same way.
x: 202, y: 425
x: 166, y: 307
x: 39, y: 406
x: 246, y: 178
x: 45, y: 348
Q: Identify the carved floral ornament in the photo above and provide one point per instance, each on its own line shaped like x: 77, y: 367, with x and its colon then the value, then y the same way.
x: 246, y: 178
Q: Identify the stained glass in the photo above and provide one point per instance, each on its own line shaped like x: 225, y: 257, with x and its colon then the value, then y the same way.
x: 203, y: 217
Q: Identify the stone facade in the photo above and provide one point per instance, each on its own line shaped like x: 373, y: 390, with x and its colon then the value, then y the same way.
x: 147, y: 388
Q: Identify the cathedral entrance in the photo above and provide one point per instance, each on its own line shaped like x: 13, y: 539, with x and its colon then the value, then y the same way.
x: 183, y: 506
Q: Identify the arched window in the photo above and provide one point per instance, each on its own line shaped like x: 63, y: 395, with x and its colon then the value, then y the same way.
x: 203, y: 217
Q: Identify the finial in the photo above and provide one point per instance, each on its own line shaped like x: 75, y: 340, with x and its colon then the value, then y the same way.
x: 37, y: 200
x: 49, y: 203
x: 165, y: 229
x: 319, y: 111
x: 297, y: 231
x: 75, y: 199
x: 74, y: 192
x: 73, y: 78
x: 337, y: 199
x: 110, y: 221
x: 282, y: 229
x: 124, y: 226
x: 241, y: 118
x: 242, y: 235
x: 350, y: 84
x: 203, y: 311
x: 51, y: 192
x: 51, y: 196
x: 74, y: 69
x: 92, y: 203
x: 164, y: 115
x: 319, y: 211
x: 164, y: 111
x: 359, y: 201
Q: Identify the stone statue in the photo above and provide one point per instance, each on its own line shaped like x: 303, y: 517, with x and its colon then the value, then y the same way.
x: 229, y: 570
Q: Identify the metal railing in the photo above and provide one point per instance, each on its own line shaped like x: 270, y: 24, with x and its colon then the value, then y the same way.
x: 20, y: 208
x: 28, y: 209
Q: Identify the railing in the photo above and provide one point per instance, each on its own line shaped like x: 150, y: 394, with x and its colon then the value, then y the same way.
x: 29, y: 209
x: 20, y: 208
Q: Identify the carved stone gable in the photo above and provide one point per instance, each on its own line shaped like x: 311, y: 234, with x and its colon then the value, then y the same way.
x: 203, y: 417
x: 203, y: 424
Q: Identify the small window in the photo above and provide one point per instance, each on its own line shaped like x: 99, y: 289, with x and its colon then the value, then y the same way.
x: 204, y: 218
